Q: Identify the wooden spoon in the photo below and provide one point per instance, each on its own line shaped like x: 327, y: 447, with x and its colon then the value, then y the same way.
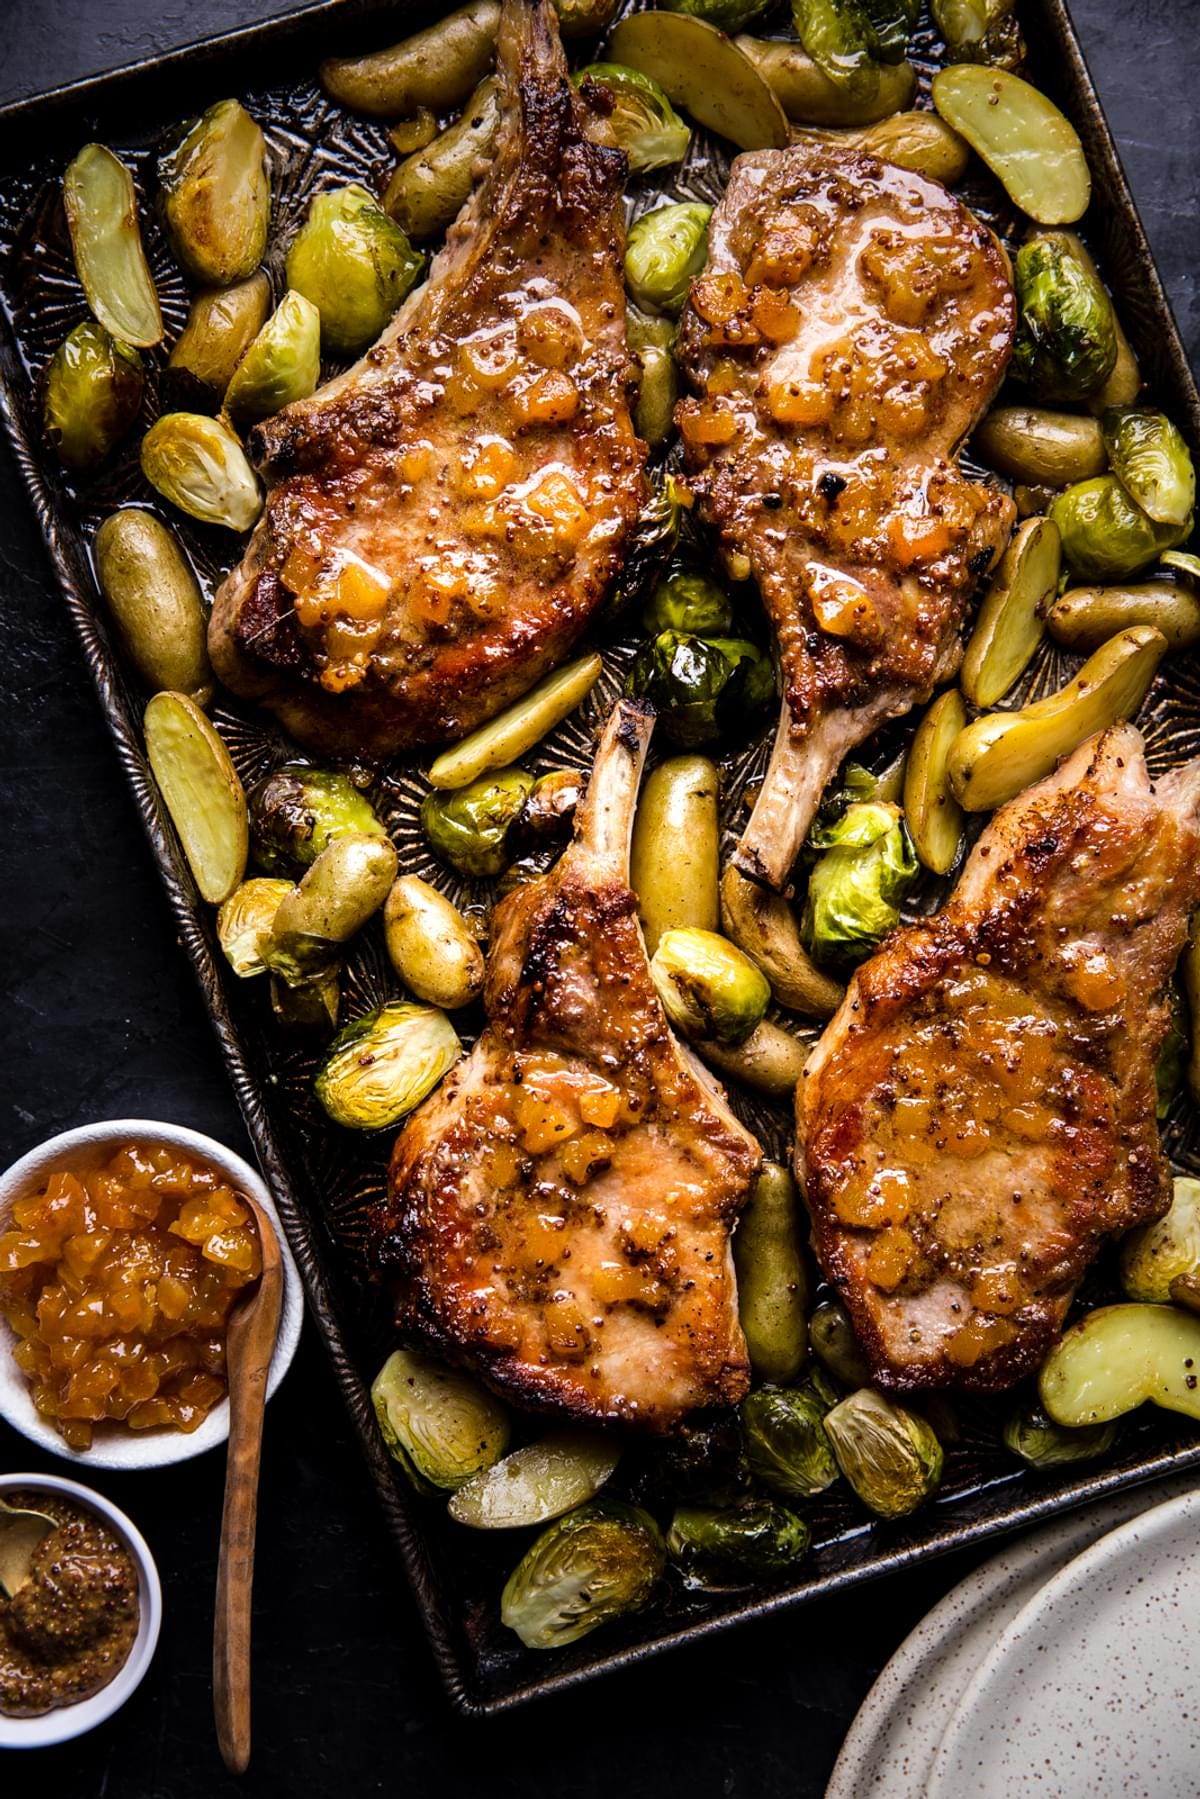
x: 21, y: 1530
x: 249, y: 1345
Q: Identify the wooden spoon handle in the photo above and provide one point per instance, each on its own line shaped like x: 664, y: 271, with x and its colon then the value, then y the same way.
x: 253, y: 1328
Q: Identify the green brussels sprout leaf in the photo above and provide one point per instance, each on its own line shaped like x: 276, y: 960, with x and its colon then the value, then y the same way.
x: 1067, y: 338
x: 354, y: 264
x: 297, y: 812
x: 889, y: 1455
x: 688, y: 603
x: 93, y: 395
x: 1150, y: 459
x: 379, y: 1068
x: 664, y: 252
x: 439, y: 1424
x: 786, y: 1446
x: 746, y: 1541
x: 468, y: 826
x: 701, y: 686
x: 857, y: 887
x: 1105, y: 535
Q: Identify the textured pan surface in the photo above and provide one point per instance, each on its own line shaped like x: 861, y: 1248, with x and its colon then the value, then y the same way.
x: 323, y: 1177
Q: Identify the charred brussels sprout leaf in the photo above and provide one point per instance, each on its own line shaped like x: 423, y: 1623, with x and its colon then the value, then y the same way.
x: 688, y: 603
x: 888, y: 1454
x: 439, y: 1424
x: 468, y: 826
x: 1067, y: 338
x: 856, y: 889
x: 1105, y: 535
x: 1035, y: 1437
x: 199, y: 465
x: 708, y: 987
x: 354, y: 264
x: 93, y: 395
x: 382, y: 1066
x: 1152, y: 462
x: 282, y: 365
x: 630, y: 112
x: 664, y: 252
x: 597, y: 1563
x: 786, y: 1446
x: 297, y: 812
x: 726, y: 15
x: 983, y: 31
x: 699, y: 686
x: 217, y: 195
x: 748, y: 1540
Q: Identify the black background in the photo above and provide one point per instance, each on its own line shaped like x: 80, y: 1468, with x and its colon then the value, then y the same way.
x: 101, y: 1020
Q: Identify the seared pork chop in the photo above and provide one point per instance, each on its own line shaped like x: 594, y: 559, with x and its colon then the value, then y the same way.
x: 980, y: 1114
x: 443, y: 520
x: 559, y: 1212
x: 853, y: 322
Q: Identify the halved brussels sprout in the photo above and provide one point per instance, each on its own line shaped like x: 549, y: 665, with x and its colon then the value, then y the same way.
x: 834, y: 1343
x: 664, y: 252
x: 106, y: 240
x: 786, y: 1445
x: 519, y: 727
x: 245, y: 921
x: 984, y: 31
x: 629, y: 111
x: 856, y: 889
x: 469, y: 826
x: 1150, y: 459
x: 282, y: 365
x: 1031, y: 444
x: 763, y: 925
x: 1086, y: 617
x: 708, y: 988
x: 1021, y: 135
x: 1156, y: 1256
x: 345, y: 886
x: 1066, y: 341
x: 354, y: 264
x: 221, y: 324
x: 155, y: 598
x: 441, y: 1425
x: 651, y: 343
x: 705, y: 73
x: 201, y: 790
x: 1011, y: 619
x: 889, y: 1455
x: 674, y: 852
x: 429, y: 944
x: 92, y: 397
x: 298, y: 811
x: 435, y: 68
x: 429, y: 189
x: 749, y: 1540
x: 1035, y: 1437
x: 380, y: 1068
x: 771, y: 1060
x: 199, y: 465
x: 726, y: 15
x: 217, y: 195
x: 772, y: 1286
x: 842, y: 38
x: 808, y: 96
x: 601, y: 1561
x: 537, y: 1483
x: 688, y: 603
x: 1105, y: 536
x: 309, y: 1006
x: 1120, y: 1357
x: 932, y: 814
x: 701, y: 686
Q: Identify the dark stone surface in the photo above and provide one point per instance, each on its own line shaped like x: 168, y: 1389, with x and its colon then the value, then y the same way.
x: 102, y: 1021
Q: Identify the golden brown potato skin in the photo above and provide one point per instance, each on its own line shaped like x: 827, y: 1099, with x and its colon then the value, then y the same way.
x: 980, y: 1115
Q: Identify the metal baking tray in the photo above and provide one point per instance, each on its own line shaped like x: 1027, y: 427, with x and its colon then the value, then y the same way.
x: 322, y: 1177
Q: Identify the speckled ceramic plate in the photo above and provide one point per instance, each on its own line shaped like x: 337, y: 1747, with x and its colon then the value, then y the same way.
x: 1093, y: 1691
x: 893, y: 1743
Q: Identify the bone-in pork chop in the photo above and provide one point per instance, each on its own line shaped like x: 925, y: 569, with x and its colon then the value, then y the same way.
x: 559, y: 1212
x: 980, y: 1114
x: 853, y: 322
x: 443, y: 520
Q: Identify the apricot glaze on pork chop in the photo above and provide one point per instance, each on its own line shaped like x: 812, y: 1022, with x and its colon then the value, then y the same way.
x: 559, y: 1211
x: 980, y: 1114
x: 852, y: 324
x: 443, y: 520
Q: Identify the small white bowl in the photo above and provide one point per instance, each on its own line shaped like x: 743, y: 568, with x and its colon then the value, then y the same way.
x: 68, y: 1721
x: 113, y: 1446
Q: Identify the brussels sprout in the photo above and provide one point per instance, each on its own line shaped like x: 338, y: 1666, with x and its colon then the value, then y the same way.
x: 203, y: 795
x: 771, y: 1060
x: 155, y: 599
x: 438, y: 1423
x: 1036, y: 1438
x: 297, y: 812
x: 429, y: 189
x: 1105, y: 536
x: 382, y: 1066
x: 217, y: 195
x: 856, y: 888
x: 429, y: 944
x: 599, y: 1562
x: 106, y: 240
x: 469, y: 826
x: 630, y: 112
x: 1066, y: 341
x: 310, y: 1006
x: 688, y: 603
x: 199, y: 465
x: 809, y: 96
x: 245, y: 921
x: 220, y: 325
x: 345, y: 886
x: 984, y: 31
x: 93, y: 394
x: 1155, y: 1256
x: 707, y: 986
x: 519, y: 727
x: 705, y: 73
x: 282, y: 365
x: 1086, y: 617
x: 752, y: 1539
x: 435, y: 68
x: 786, y: 1446
x: 664, y: 252
x: 763, y: 924
x: 651, y: 344
x: 848, y: 39
x: 1022, y: 137
x: 1120, y: 1357
x: 700, y: 686
x: 354, y: 264
x: 726, y: 15
x: 1028, y: 443
x: 889, y: 1455
x: 1152, y: 462
x: 674, y: 853
x: 771, y: 1283
x: 834, y: 1343
x: 539, y: 1482
x: 932, y: 814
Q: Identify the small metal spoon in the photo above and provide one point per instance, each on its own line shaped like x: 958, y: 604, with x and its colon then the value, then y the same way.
x: 21, y: 1530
